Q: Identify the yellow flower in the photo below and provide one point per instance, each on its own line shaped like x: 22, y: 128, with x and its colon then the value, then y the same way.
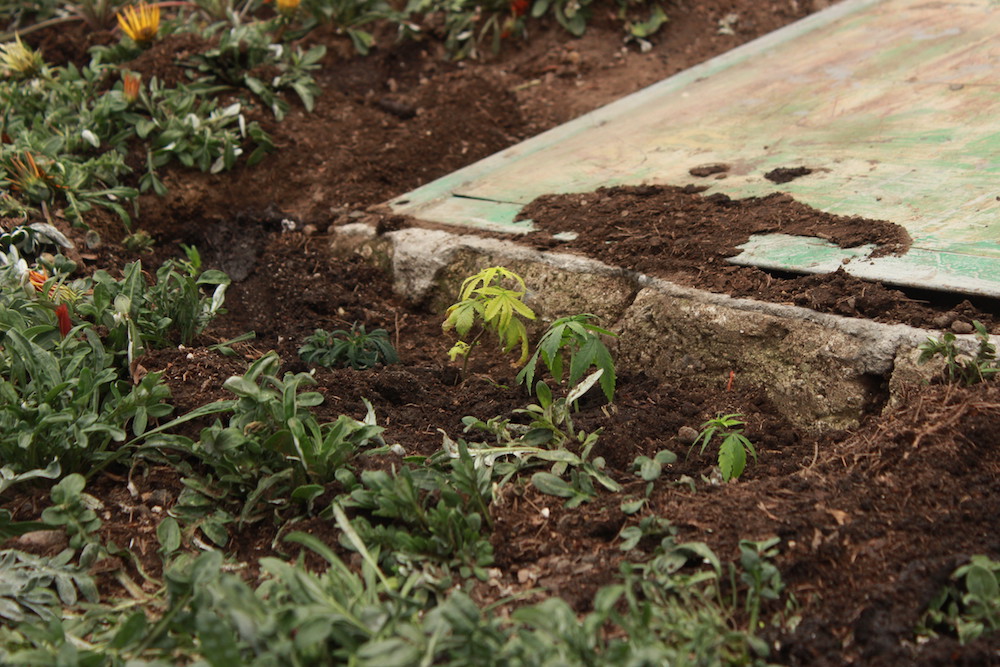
x: 60, y: 293
x: 19, y: 59
x: 288, y: 7
x: 140, y: 22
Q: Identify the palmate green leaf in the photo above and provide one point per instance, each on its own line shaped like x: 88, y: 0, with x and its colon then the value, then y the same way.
x: 462, y: 316
x: 501, y: 305
x: 486, y: 277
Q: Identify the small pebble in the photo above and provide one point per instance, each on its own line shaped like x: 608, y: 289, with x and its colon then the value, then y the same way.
x: 961, y: 327
x: 944, y: 320
x: 687, y: 435
x: 42, y: 539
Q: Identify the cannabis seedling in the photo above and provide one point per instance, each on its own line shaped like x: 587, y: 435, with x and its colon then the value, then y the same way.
x: 494, y: 308
x: 734, y: 447
x: 355, y: 348
x: 575, y: 335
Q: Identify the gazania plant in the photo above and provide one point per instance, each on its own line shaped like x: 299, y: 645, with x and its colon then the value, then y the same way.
x: 140, y: 22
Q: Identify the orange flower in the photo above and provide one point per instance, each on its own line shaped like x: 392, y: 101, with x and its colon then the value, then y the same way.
x: 141, y: 22
x: 131, y: 83
x: 27, y: 177
x: 57, y: 292
x: 37, y: 279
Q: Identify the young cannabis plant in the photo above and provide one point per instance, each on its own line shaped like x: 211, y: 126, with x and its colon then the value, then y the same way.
x: 734, y: 447
x: 575, y: 335
x: 356, y: 348
x: 961, y: 368
x: 493, y: 308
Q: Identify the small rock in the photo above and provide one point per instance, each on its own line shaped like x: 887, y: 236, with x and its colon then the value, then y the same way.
x: 310, y: 230
x: 687, y: 435
x: 961, y: 327
x: 42, y: 540
x: 161, y: 497
x: 944, y: 320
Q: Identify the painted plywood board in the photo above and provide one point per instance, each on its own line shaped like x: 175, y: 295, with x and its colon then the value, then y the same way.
x: 894, y: 105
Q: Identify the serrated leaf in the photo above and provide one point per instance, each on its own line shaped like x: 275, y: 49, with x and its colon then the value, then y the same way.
x: 732, y: 458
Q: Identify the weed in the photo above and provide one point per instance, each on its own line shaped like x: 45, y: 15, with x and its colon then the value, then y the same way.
x: 33, y: 587
x: 575, y: 335
x: 961, y: 368
x: 245, y: 49
x: 493, y: 308
x: 734, y: 447
x: 969, y: 607
x: 356, y: 348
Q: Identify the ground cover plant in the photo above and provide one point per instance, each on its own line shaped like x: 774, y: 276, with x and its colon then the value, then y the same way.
x: 180, y: 482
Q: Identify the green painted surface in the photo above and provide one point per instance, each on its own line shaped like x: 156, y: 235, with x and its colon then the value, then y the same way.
x: 893, y: 104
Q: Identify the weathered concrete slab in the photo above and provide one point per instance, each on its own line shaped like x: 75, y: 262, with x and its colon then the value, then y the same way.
x: 822, y: 371
x: 891, y: 103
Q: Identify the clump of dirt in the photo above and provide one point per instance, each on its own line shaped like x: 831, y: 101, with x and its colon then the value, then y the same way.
x: 787, y: 174
x: 679, y: 234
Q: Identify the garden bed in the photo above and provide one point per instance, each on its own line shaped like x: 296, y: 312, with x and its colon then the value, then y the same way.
x: 870, y: 521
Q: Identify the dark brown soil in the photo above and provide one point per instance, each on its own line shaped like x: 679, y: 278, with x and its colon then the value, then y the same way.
x: 871, y: 522
x: 678, y: 234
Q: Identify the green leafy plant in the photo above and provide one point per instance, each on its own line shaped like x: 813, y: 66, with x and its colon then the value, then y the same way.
x: 760, y: 576
x: 68, y: 135
x: 734, y: 447
x: 356, y: 348
x: 271, y: 452
x: 579, y: 338
x: 350, y: 17
x: 173, y: 309
x: 548, y: 437
x: 961, y: 368
x: 422, y: 516
x: 65, y: 398
x: 34, y: 587
x: 243, y: 50
x: 74, y: 511
x: 494, y: 308
x: 969, y: 607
